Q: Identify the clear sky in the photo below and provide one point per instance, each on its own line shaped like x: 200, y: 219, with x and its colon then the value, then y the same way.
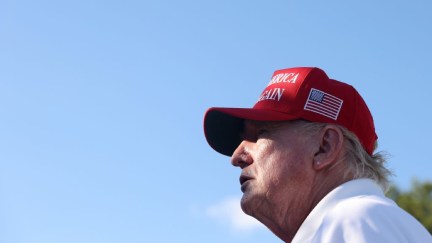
x: 101, y: 106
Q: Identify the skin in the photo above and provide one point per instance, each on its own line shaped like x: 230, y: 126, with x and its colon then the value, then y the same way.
x: 286, y: 171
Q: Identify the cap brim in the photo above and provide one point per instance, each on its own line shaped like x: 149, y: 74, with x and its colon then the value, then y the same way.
x: 223, y: 126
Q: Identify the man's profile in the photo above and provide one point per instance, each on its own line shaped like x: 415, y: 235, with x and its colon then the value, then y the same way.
x: 310, y: 172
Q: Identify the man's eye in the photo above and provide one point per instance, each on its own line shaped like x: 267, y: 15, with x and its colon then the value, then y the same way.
x: 262, y: 132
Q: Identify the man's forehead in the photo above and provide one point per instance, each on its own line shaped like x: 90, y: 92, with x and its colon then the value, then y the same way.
x: 271, y: 124
x: 251, y: 127
x: 252, y: 124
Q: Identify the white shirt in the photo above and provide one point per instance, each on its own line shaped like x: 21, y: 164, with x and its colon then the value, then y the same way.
x: 358, y: 212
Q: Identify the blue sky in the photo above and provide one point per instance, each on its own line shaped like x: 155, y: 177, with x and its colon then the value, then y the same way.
x: 101, y: 106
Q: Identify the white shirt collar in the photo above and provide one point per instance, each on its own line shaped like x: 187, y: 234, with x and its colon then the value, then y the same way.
x: 349, y: 189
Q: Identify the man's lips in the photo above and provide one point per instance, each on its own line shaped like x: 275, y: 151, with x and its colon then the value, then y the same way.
x: 243, y: 179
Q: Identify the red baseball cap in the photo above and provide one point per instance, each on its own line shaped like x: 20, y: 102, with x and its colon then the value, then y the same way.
x: 294, y: 93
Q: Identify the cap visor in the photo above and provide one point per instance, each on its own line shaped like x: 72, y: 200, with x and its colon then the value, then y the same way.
x: 223, y: 126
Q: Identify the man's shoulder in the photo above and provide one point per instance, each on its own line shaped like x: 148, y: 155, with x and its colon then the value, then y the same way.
x: 372, y: 217
x: 364, y: 205
x: 376, y: 212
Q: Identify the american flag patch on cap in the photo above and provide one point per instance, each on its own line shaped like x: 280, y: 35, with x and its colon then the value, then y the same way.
x: 323, y: 103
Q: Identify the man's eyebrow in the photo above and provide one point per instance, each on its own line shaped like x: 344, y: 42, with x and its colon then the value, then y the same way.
x: 248, y: 127
x: 251, y: 126
x: 261, y: 124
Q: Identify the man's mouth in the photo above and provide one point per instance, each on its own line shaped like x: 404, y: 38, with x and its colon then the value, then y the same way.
x: 243, y: 181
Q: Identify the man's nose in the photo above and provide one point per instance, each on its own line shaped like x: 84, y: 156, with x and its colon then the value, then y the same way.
x: 241, y: 156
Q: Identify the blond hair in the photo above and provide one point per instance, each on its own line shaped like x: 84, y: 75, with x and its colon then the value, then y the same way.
x: 361, y: 164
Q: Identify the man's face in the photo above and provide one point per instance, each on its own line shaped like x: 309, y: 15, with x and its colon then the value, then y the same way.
x: 276, y: 161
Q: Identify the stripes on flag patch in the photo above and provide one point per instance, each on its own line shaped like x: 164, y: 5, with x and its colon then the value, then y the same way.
x: 323, y: 103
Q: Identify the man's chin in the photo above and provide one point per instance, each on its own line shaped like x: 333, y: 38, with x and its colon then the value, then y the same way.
x: 246, y: 203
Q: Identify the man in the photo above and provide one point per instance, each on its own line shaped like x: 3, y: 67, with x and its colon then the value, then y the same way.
x: 309, y: 171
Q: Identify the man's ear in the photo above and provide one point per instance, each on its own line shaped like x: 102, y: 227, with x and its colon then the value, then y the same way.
x: 331, y: 145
